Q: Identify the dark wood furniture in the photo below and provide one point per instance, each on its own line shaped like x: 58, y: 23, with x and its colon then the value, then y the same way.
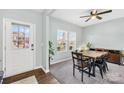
x: 82, y: 63
x: 113, y: 55
x: 100, y: 49
x: 95, y: 55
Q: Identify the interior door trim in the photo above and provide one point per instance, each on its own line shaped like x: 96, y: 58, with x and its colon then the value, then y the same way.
x: 4, y: 42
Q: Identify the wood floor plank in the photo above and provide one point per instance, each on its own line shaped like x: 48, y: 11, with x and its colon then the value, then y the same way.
x: 40, y: 75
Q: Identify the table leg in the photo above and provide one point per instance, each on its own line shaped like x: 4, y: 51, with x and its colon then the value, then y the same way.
x: 94, y: 67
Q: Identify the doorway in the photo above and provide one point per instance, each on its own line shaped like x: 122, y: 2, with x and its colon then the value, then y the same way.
x: 18, y: 46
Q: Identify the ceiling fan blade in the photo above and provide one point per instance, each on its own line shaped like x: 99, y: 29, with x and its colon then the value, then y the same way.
x: 84, y: 16
x: 98, y: 17
x: 88, y: 19
x: 104, y: 12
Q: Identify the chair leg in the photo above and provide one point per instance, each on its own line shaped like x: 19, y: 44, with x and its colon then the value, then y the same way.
x: 82, y: 76
x: 73, y: 70
x: 106, y: 66
x: 101, y: 72
x: 90, y: 70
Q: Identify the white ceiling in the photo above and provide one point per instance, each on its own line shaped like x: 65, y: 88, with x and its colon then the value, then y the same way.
x: 38, y: 10
x: 73, y: 16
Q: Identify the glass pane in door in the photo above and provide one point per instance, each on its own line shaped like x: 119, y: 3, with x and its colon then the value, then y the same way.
x: 20, y: 36
x: 27, y: 34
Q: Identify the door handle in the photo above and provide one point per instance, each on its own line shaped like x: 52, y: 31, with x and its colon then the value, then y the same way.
x: 32, y: 47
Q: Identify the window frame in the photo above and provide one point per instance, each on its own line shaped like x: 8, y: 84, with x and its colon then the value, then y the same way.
x: 66, y: 48
x: 74, y: 41
x: 19, y: 32
x: 66, y: 41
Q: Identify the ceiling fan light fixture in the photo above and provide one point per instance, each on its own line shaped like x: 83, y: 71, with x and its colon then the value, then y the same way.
x: 93, y: 17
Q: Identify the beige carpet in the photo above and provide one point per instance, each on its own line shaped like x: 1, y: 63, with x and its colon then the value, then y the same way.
x: 29, y: 80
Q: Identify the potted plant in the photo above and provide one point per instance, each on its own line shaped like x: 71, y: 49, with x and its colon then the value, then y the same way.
x: 88, y: 46
x: 51, y: 51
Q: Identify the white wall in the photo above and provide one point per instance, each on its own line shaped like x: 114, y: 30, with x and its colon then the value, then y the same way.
x: 26, y: 16
x: 105, y: 35
x: 45, y: 42
x: 56, y: 24
x: 108, y: 35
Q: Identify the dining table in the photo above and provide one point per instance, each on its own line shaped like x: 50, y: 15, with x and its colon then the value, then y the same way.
x: 94, y: 55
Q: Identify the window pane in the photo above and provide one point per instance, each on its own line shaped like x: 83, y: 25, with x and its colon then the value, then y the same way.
x: 72, y: 40
x: 20, y: 35
x: 61, y: 40
x: 27, y: 34
x: 15, y: 29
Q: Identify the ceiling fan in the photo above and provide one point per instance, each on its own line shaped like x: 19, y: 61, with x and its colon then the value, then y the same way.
x: 94, y: 14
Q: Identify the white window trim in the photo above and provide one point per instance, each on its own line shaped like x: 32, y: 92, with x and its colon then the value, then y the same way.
x: 67, y: 42
x: 75, y: 41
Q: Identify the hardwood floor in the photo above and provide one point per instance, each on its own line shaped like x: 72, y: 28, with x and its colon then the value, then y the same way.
x: 41, y: 76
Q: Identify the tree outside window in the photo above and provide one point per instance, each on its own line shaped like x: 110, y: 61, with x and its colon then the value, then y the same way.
x: 72, y: 40
x: 65, y: 39
x: 61, y: 40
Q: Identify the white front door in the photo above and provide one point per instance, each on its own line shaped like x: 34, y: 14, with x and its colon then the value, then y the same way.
x: 19, y: 47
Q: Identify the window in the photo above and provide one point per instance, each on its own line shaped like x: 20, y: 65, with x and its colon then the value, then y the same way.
x: 20, y: 35
x: 66, y: 39
x: 72, y: 40
x: 61, y: 40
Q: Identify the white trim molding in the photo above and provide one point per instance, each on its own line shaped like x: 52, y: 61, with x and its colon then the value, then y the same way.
x: 62, y: 60
x: 33, y: 27
x: 46, y: 71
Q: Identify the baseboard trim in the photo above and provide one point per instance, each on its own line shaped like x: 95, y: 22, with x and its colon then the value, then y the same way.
x: 60, y: 61
x: 46, y: 71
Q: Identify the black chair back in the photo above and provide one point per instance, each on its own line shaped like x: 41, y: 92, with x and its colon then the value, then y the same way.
x: 79, y: 58
x: 81, y: 63
x: 76, y: 55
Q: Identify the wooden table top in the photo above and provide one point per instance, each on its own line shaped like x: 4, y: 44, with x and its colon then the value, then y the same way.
x: 94, y: 54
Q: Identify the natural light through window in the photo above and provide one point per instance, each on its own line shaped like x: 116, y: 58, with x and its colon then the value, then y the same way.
x: 66, y: 40
x: 72, y: 40
x: 20, y: 36
x: 61, y: 40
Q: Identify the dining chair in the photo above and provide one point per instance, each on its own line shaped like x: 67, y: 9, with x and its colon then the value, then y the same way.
x: 101, y: 67
x: 82, y: 63
x: 104, y: 58
x: 101, y: 62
